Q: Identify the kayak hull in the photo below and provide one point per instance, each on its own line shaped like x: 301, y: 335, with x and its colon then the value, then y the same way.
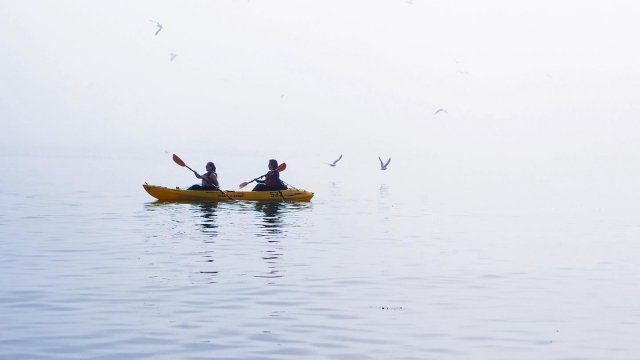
x: 178, y: 195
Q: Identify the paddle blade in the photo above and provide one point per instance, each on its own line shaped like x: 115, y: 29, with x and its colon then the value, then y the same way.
x: 281, y: 167
x: 243, y: 184
x: 178, y: 160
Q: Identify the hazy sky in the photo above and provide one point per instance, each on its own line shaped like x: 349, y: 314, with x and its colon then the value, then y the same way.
x: 518, y: 78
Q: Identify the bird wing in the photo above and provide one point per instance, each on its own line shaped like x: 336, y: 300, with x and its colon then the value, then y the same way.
x: 381, y: 162
x: 387, y: 163
x: 338, y: 159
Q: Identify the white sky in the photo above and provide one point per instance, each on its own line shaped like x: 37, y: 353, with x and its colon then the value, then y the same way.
x: 549, y: 77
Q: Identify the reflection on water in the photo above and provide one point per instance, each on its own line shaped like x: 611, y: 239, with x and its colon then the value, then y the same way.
x: 207, y: 213
x: 384, y: 190
x: 272, y: 212
x: 274, y: 221
x: 269, y: 224
x: 335, y: 189
x: 270, y: 227
x: 179, y: 221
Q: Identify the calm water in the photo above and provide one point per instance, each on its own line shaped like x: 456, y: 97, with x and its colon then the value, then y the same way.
x: 380, y: 265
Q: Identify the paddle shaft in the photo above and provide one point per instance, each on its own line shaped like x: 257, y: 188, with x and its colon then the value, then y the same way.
x: 280, y: 168
x: 195, y: 172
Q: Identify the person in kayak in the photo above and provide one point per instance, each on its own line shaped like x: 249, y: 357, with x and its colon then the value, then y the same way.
x: 271, y: 179
x: 209, y: 179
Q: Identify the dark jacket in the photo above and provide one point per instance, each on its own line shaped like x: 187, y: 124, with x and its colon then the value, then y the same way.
x: 271, y: 182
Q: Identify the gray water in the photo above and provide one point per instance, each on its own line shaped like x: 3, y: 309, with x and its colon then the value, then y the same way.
x: 379, y: 265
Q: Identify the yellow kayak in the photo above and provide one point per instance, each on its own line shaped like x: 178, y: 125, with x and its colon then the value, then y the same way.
x: 170, y: 194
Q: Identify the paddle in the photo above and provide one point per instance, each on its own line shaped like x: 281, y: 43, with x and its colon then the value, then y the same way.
x: 280, y: 168
x: 179, y: 161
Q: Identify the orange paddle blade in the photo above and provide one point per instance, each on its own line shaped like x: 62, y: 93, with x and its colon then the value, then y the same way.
x: 281, y: 167
x: 178, y: 160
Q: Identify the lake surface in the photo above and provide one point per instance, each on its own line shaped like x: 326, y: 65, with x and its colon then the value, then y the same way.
x: 417, y: 262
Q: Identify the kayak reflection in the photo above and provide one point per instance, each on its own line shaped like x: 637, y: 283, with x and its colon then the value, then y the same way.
x: 251, y: 237
x: 271, y: 221
x: 270, y: 216
x: 207, y: 213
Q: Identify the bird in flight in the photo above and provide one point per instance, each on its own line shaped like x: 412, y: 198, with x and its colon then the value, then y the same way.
x: 439, y: 111
x: 335, y: 161
x: 383, y: 165
x: 172, y: 56
x: 158, y: 25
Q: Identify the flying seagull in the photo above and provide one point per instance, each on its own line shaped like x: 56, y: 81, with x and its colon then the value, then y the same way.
x: 335, y: 161
x: 439, y: 111
x: 158, y: 25
x: 172, y: 56
x: 383, y: 165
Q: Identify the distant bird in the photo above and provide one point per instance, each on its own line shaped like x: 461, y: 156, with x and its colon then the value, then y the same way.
x: 439, y: 111
x: 383, y: 165
x: 158, y: 25
x: 335, y: 161
x: 172, y: 56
